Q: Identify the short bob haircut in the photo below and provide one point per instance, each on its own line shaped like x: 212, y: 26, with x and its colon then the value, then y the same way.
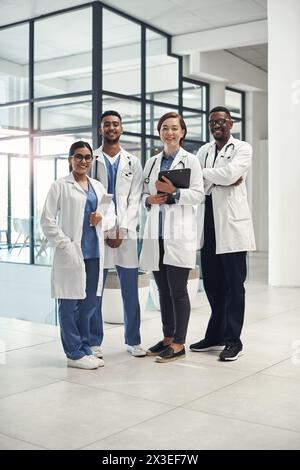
x: 78, y: 145
x: 174, y: 115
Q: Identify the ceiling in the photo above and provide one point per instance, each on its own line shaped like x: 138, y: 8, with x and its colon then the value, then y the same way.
x: 255, y: 55
x: 172, y: 16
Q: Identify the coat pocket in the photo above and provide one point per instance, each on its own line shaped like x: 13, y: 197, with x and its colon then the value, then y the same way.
x: 238, y: 209
x: 68, y: 257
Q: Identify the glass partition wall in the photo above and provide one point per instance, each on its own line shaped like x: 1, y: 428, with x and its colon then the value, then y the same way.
x: 57, y: 74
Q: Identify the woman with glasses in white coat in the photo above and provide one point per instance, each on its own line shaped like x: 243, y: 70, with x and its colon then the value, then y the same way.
x: 170, y: 234
x: 74, y: 217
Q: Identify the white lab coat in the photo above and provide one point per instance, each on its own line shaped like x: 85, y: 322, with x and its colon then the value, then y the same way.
x: 232, y: 217
x: 180, y: 222
x: 62, y: 224
x: 128, y: 196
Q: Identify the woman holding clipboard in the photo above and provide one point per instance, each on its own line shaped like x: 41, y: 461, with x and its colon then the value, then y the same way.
x: 170, y: 234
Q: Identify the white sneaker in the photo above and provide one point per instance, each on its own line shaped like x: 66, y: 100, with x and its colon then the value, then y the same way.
x: 85, y: 362
x: 136, y: 351
x: 97, y: 351
x: 96, y: 360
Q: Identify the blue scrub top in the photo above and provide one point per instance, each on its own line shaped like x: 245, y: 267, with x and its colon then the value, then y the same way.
x: 112, y: 170
x: 89, y: 240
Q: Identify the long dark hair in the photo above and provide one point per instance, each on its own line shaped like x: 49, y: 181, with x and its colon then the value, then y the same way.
x: 78, y: 145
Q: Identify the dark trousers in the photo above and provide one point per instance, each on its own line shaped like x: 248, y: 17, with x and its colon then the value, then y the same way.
x: 223, y: 278
x: 173, y: 298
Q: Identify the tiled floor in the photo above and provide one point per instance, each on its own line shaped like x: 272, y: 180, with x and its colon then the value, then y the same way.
x: 131, y: 403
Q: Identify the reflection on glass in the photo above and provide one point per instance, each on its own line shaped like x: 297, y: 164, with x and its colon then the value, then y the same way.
x: 13, y: 120
x: 15, y: 218
x: 161, y: 70
x: 194, y: 96
x: 233, y: 101
x: 63, y: 113
x: 63, y: 53
x: 14, y: 57
x: 58, y: 145
x: 44, y: 171
x: 153, y: 147
x: 153, y: 114
x: 4, y: 203
x: 129, y: 110
x: 196, y: 130
x: 236, y: 130
x: 121, y: 54
x: 132, y: 145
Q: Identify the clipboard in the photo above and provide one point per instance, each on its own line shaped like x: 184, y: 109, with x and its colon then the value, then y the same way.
x: 180, y: 178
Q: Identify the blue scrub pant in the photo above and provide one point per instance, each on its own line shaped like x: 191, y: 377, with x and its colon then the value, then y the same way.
x: 131, y: 308
x: 75, y: 315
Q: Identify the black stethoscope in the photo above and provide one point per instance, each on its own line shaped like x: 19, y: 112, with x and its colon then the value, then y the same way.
x: 222, y: 156
x: 147, y: 179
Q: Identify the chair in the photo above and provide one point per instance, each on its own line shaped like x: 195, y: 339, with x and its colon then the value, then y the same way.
x: 22, y: 228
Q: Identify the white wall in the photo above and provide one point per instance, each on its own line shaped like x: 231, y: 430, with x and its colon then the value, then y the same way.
x: 257, y: 134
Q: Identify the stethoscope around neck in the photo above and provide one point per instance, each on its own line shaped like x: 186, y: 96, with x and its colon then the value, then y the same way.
x: 222, y: 156
x: 147, y: 179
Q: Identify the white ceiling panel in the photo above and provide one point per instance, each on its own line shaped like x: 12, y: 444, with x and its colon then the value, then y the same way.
x: 173, y: 16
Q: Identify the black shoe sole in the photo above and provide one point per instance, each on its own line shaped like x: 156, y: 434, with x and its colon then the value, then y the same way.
x: 151, y: 353
x: 170, y: 359
x: 222, y: 359
x: 209, y: 348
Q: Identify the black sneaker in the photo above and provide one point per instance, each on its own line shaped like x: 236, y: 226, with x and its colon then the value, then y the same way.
x: 170, y: 355
x: 204, y: 345
x: 231, y: 353
x: 157, y: 348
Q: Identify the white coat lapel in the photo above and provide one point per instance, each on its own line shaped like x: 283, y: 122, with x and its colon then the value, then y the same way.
x: 70, y: 179
x: 181, y: 156
x: 101, y: 171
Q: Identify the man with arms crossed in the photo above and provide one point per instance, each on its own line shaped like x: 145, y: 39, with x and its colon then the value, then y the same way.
x: 228, y: 235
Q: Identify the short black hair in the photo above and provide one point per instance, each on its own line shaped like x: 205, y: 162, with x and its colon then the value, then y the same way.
x: 218, y: 109
x: 110, y: 113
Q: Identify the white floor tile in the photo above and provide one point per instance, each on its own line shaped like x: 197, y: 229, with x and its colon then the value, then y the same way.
x: 68, y: 416
x: 186, y: 429
x: 262, y: 399
x: 8, y: 443
x: 173, y: 383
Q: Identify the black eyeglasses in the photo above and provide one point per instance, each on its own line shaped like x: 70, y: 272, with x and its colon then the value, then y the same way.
x: 220, y: 122
x: 79, y: 158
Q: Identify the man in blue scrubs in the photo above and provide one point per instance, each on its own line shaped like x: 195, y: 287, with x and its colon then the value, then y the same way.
x: 121, y: 174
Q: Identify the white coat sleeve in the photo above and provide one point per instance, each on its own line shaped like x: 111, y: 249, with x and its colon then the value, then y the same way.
x: 195, y: 193
x: 130, y: 219
x: 49, y: 223
x: 202, y: 155
x: 230, y: 173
